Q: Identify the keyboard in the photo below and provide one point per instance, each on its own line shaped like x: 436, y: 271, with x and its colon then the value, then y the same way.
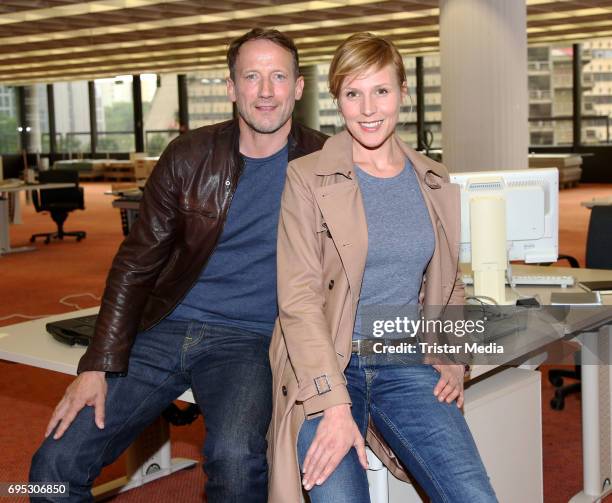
x: 532, y: 279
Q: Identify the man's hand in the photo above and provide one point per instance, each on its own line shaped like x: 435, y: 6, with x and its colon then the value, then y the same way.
x: 89, y: 388
x: 336, y: 434
x: 450, y: 385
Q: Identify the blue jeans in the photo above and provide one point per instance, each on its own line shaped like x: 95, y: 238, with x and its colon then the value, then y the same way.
x: 229, y: 372
x: 430, y: 438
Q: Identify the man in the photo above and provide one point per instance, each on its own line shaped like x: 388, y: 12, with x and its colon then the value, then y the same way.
x: 190, y: 300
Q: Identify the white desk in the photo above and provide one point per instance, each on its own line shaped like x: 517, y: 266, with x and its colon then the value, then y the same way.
x: 503, y: 408
x: 486, y: 406
x: 5, y: 221
x: 149, y: 458
x: 597, y: 201
x: 594, y: 333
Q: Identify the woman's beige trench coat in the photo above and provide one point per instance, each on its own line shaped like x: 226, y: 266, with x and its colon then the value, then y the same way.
x: 322, y: 248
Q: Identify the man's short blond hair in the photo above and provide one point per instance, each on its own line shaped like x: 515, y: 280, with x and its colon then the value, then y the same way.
x: 358, y: 54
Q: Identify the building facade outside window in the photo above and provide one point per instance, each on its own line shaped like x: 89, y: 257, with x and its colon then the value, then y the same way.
x: 207, y: 97
x: 114, y: 114
x: 71, y: 104
x: 37, y: 118
x: 597, y: 94
x: 550, y: 81
x: 9, y: 136
x: 160, y: 111
x: 433, y: 98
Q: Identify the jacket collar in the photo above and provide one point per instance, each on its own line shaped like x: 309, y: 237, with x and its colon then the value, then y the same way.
x: 301, y: 140
x: 336, y: 158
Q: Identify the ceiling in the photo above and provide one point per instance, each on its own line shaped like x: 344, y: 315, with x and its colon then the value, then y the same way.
x: 53, y: 40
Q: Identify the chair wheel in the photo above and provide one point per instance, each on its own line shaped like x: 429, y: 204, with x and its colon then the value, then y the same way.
x: 79, y: 238
x: 557, y: 403
x: 556, y: 381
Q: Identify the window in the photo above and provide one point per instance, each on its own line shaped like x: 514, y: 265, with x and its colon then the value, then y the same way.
x: 330, y: 121
x: 115, y: 114
x: 207, y: 96
x: 550, y: 81
x: 71, y: 104
x: 596, y: 92
x: 9, y: 136
x: 406, y: 126
x: 37, y: 118
x: 433, y: 99
x: 160, y: 111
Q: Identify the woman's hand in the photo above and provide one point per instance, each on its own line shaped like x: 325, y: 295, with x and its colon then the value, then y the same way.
x: 450, y: 385
x: 336, y: 434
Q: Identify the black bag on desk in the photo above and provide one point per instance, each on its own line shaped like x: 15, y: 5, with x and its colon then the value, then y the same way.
x: 73, y: 330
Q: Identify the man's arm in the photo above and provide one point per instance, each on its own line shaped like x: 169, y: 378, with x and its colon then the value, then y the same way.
x: 134, y: 272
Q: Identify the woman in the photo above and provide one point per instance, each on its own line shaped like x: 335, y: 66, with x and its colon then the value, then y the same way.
x: 366, y: 222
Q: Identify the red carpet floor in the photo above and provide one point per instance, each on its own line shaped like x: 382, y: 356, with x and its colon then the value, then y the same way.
x: 33, y: 283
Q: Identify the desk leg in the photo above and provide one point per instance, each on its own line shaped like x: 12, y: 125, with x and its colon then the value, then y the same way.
x: 16, y: 202
x: 5, y: 222
x: 149, y: 458
x: 5, y: 244
x: 377, y: 479
x: 596, y: 420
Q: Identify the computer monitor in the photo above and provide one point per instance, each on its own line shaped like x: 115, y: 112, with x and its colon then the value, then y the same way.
x: 507, y: 215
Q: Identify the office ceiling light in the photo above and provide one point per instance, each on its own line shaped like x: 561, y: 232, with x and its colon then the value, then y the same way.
x: 220, y: 49
x: 76, y: 9
x: 178, y: 36
x: 222, y: 16
x: 564, y: 14
x: 85, y: 64
x: 569, y: 26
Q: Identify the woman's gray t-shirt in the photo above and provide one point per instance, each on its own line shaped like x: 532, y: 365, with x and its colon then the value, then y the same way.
x: 400, y: 245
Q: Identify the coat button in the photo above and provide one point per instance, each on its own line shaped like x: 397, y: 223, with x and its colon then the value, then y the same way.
x: 331, y: 284
x: 284, y: 390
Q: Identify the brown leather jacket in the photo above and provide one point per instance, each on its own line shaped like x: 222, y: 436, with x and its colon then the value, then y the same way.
x: 182, y: 213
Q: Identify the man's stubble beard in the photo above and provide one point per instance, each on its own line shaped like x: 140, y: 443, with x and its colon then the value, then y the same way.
x: 260, y: 128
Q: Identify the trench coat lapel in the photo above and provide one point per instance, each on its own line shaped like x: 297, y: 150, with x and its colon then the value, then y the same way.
x: 440, y: 196
x: 341, y: 205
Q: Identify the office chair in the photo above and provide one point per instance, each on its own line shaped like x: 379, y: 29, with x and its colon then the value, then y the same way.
x: 59, y: 202
x: 598, y: 256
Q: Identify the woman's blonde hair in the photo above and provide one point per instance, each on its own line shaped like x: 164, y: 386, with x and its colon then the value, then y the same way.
x: 359, y: 53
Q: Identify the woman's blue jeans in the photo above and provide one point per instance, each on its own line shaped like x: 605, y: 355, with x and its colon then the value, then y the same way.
x: 229, y: 372
x: 430, y: 438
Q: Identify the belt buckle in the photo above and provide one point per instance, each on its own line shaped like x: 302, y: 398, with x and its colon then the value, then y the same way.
x: 356, y: 346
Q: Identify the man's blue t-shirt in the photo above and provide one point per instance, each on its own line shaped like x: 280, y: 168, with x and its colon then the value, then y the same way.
x: 238, y: 285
